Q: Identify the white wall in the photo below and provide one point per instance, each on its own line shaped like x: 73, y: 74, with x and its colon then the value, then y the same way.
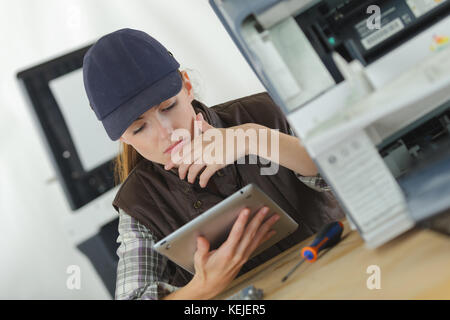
x: 38, y: 230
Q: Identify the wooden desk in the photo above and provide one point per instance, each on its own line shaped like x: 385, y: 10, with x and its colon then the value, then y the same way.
x: 415, y: 265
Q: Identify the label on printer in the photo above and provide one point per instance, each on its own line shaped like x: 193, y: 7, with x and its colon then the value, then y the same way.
x: 385, y: 32
x: 393, y: 19
x: 396, y: 17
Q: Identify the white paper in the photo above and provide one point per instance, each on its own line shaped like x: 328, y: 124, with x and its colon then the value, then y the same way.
x: 364, y: 185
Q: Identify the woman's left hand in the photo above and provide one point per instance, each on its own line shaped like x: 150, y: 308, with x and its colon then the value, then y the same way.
x: 209, y: 150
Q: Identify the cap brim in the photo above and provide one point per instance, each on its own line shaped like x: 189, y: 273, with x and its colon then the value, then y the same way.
x: 118, y: 121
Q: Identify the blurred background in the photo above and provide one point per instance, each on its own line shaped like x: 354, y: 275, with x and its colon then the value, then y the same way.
x: 58, y: 226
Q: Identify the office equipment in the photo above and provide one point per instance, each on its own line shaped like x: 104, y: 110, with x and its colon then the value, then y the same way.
x: 365, y: 85
x: 328, y: 236
x: 215, y: 225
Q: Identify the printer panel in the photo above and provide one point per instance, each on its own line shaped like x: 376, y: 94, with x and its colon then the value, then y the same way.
x: 341, y: 26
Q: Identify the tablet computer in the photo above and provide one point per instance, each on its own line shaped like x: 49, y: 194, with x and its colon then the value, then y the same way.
x: 215, y: 225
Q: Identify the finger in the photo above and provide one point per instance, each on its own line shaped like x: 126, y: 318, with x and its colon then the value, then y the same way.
x: 191, y: 151
x: 185, y: 167
x: 238, y: 229
x: 197, y: 151
x: 266, y: 237
x: 195, y: 146
x: 261, y: 234
x: 251, y: 231
x: 202, y: 250
x: 182, y: 169
x: 169, y: 165
x: 177, y: 155
x: 266, y: 226
x: 251, y: 249
x: 204, y: 125
x: 207, y: 174
x: 197, y: 125
x: 207, y: 155
x: 193, y: 171
x: 184, y: 155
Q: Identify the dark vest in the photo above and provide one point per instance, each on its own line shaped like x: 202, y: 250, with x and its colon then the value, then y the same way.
x: 163, y: 203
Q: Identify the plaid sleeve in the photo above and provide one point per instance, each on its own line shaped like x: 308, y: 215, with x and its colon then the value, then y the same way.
x: 142, y: 273
x: 315, y: 182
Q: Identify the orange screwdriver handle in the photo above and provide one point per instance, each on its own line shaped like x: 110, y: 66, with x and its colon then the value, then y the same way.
x: 327, y: 237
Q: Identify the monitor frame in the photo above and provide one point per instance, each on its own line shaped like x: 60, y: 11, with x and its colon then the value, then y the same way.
x: 80, y: 186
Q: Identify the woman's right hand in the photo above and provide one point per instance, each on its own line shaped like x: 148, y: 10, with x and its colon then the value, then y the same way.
x: 214, y: 270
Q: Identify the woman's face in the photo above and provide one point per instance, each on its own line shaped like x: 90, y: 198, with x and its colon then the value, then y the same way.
x: 150, y: 134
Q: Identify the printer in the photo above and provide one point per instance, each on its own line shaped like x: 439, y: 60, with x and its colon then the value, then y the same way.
x: 365, y: 86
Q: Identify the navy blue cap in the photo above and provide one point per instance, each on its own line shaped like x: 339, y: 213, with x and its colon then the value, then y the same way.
x: 125, y: 73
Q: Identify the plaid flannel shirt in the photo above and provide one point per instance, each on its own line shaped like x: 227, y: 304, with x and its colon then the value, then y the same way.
x: 142, y: 273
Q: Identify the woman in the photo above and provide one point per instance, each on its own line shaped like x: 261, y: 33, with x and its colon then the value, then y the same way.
x: 135, y: 88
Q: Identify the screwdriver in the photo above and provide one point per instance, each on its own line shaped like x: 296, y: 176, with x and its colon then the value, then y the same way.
x: 328, y: 236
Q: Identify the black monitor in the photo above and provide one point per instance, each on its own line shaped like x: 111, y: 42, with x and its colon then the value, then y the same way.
x: 82, y: 153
